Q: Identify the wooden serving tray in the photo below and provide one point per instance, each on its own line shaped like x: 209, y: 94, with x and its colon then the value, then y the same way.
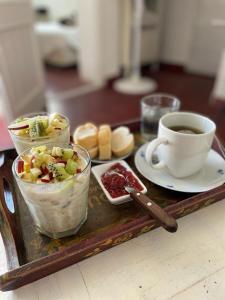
x: 31, y: 256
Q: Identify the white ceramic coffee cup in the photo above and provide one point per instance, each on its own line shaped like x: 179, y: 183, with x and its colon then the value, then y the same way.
x: 183, y: 154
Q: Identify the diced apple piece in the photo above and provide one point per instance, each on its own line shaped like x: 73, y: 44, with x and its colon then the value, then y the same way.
x: 45, y: 179
x: 56, y: 151
x: 60, y: 165
x: 18, y: 126
x: 27, y: 176
x: 35, y: 172
x: 39, y: 149
x: 20, y: 166
x: 62, y: 161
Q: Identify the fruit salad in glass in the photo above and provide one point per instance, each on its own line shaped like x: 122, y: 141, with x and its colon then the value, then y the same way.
x: 37, y: 129
x: 54, y: 182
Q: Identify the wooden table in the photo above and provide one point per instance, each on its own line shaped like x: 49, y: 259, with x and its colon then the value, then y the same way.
x: 187, y: 265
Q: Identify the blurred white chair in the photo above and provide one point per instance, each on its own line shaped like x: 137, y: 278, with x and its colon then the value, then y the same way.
x: 21, y: 75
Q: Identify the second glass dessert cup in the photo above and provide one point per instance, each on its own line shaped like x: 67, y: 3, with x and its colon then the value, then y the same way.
x: 22, y: 143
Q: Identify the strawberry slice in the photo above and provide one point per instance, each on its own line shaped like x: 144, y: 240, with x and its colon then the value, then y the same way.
x: 20, y: 166
x: 18, y: 126
x: 78, y: 170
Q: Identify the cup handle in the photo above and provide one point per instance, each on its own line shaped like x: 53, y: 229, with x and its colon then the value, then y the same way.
x: 152, y: 146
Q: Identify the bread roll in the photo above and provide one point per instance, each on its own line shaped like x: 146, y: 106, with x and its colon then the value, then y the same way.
x: 122, y: 141
x: 86, y: 136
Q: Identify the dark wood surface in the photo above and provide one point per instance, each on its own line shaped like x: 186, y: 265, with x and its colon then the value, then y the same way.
x: 35, y: 256
x: 106, y: 105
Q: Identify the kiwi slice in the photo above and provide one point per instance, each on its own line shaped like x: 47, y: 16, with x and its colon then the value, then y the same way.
x: 36, y: 128
x: 67, y: 153
x: 58, y: 171
x: 44, y: 122
x: 71, y: 167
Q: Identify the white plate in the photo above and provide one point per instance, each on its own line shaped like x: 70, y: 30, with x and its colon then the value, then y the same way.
x: 211, y: 175
x: 99, y: 170
x: 113, y: 159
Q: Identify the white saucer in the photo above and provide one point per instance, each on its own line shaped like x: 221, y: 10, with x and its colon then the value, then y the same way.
x: 211, y: 175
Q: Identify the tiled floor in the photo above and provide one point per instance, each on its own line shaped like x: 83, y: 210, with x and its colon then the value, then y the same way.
x: 60, y: 80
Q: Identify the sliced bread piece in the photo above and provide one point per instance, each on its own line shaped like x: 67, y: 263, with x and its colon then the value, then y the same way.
x: 104, y: 142
x: 86, y: 136
x: 104, y: 135
x: 105, y: 152
x: 122, y: 141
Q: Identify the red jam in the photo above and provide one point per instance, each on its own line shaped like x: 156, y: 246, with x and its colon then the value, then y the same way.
x: 114, y: 183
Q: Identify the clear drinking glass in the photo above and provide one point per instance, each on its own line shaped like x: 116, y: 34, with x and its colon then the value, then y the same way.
x: 153, y: 107
x: 22, y: 143
x: 58, y: 209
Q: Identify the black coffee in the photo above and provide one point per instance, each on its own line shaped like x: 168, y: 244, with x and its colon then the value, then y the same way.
x: 186, y: 129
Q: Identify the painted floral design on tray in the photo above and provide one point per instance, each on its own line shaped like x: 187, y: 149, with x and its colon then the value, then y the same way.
x: 170, y: 186
x: 142, y: 154
x: 220, y: 171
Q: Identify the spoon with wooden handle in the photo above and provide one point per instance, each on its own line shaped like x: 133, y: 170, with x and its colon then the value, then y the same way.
x: 159, y: 214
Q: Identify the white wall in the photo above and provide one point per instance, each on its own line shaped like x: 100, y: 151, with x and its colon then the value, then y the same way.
x: 99, y: 39
x: 21, y: 74
x: 58, y: 8
x: 208, y: 41
x: 179, y: 17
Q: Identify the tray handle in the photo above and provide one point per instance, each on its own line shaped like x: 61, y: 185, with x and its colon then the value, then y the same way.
x: 8, y: 202
x: 10, y: 226
x: 219, y: 146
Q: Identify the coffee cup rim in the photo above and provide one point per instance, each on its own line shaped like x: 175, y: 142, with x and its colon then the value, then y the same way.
x: 190, y: 114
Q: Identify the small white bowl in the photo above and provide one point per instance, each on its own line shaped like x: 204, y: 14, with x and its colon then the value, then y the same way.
x: 101, y: 169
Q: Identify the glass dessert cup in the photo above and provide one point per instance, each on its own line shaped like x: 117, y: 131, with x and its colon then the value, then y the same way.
x: 58, y: 209
x: 22, y: 143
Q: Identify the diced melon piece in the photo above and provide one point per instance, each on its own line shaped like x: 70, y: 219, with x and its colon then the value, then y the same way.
x: 67, y: 153
x: 71, y: 167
